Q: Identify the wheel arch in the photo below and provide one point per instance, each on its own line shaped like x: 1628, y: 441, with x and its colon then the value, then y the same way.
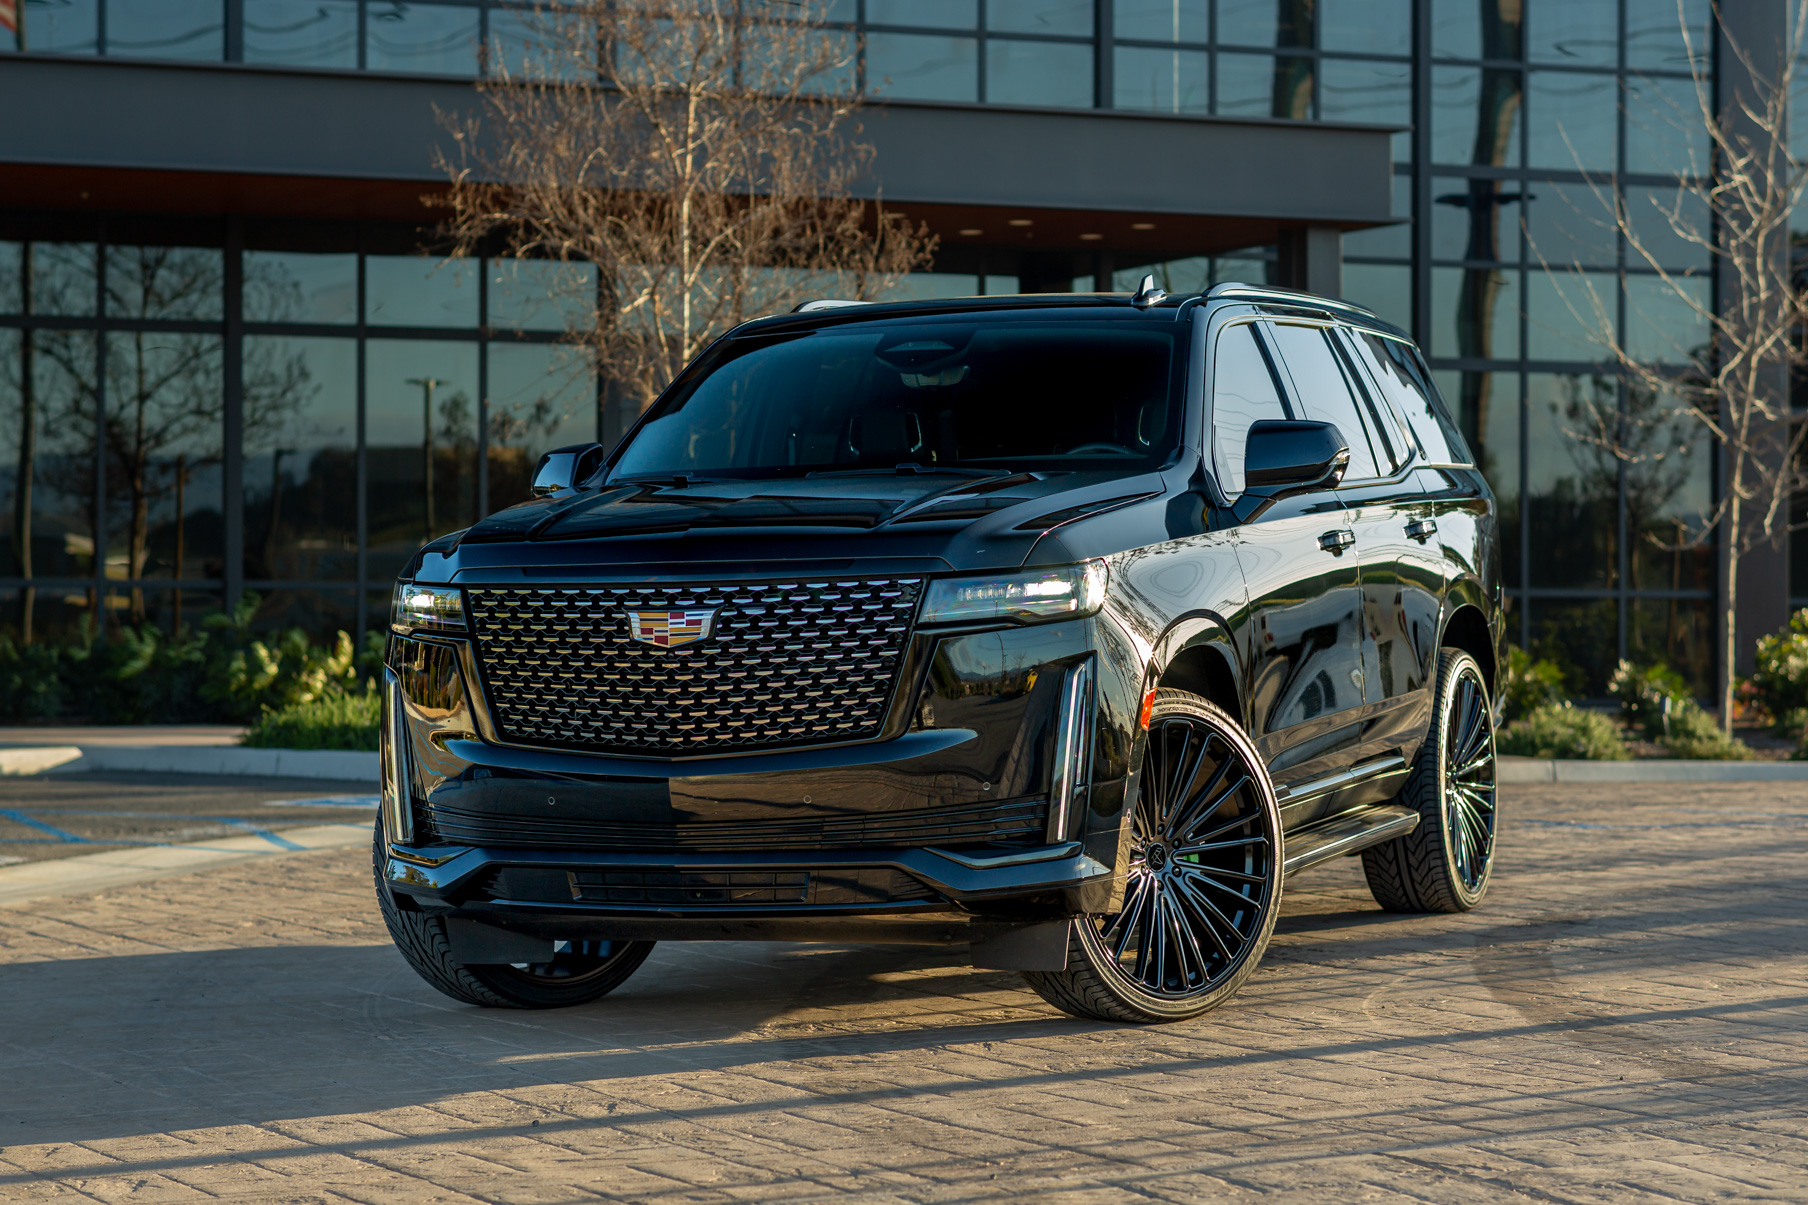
x: 1468, y: 629
x: 1197, y: 655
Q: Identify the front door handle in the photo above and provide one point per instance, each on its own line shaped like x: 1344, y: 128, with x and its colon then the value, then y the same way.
x: 1335, y: 542
x: 1422, y: 529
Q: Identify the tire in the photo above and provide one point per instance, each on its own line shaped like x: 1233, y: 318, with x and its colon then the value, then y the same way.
x: 1196, y: 918
x: 1445, y: 864
x: 586, y: 971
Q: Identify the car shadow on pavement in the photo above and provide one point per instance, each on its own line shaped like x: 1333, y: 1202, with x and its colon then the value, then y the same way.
x: 117, y: 1045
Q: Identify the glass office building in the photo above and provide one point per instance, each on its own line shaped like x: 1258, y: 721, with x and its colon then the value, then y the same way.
x: 230, y: 360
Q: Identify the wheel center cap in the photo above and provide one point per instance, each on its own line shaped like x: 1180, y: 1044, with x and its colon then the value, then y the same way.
x: 1156, y: 855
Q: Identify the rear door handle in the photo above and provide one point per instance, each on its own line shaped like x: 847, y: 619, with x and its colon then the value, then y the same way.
x: 1336, y: 541
x: 1422, y: 529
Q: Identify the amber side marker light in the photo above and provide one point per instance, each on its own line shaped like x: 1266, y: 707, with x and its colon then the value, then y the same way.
x: 1148, y: 709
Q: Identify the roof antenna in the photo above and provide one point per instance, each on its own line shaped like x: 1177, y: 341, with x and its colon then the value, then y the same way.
x: 1147, y: 294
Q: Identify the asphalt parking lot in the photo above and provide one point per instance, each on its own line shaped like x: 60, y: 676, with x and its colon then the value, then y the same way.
x: 63, y: 815
x: 1625, y: 1019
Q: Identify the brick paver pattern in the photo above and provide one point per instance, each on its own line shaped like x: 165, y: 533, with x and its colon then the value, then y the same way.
x: 1623, y: 1020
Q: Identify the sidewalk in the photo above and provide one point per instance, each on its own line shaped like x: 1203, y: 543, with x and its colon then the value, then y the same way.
x: 171, y: 749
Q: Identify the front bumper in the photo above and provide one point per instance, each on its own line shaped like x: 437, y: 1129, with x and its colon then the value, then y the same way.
x: 983, y: 803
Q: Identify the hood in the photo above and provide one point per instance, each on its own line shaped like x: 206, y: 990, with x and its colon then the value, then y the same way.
x: 914, y: 522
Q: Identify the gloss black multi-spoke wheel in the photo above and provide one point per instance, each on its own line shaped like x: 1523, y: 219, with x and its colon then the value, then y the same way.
x: 1444, y: 864
x: 1203, y: 878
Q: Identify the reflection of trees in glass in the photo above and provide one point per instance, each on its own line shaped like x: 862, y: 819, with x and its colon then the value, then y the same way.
x: 164, y: 396
x: 1497, y: 111
x: 1574, y: 519
x: 1293, y: 73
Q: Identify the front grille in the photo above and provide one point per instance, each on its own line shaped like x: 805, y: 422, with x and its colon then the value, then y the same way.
x: 660, y: 887
x: 1020, y: 822
x: 785, y: 663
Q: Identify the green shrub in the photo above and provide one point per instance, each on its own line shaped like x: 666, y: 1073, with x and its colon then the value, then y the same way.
x: 1559, y: 730
x: 31, y: 681
x: 1696, y: 735
x: 337, y: 720
x: 1648, y: 694
x: 217, y: 671
x: 1529, y: 684
x: 1779, y: 678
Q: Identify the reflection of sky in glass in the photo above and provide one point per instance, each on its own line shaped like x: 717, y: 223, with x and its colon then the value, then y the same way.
x: 166, y: 29
x: 1578, y: 32
x: 415, y: 290
x: 294, y: 286
x: 1163, y: 81
x: 1366, y: 26
x: 1162, y: 20
x: 543, y: 295
x: 1570, y: 121
x: 1054, y: 74
x: 68, y: 27
x: 1455, y: 100
x: 437, y: 39
x: 1064, y: 18
x: 302, y: 33
x: 922, y: 67
x: 932, y: 14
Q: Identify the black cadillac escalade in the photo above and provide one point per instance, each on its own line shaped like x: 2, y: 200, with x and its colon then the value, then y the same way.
x: 1062, y: 627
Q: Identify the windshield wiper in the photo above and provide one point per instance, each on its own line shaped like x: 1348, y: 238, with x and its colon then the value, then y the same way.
x: 676, y: 478
x: 908, y: 468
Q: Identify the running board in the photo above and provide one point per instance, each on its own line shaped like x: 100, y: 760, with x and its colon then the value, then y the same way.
x: 1380, y: 767
x: 1348, y: 834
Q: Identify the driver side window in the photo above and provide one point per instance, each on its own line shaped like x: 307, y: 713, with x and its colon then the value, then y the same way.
x: 1244, y: 392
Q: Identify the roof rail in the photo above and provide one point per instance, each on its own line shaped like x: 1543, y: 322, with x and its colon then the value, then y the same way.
x: 1299, y: 297
x: 826, y: 303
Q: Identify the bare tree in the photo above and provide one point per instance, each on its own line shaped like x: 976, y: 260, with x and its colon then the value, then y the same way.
x: 701, y: 154
x: 1735, y: 209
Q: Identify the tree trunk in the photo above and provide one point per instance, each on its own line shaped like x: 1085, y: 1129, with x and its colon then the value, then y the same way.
x: 1729, y: 596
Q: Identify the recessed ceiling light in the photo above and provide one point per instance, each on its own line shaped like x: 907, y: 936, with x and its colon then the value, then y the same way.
x: 1090, y: 237
x: 1022, y: 222
x: 970, y: 231
x: 1142, y: 225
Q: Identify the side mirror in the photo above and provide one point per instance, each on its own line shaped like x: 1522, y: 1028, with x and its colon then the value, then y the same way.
x: 1289, y: 456
x: 562, y: 468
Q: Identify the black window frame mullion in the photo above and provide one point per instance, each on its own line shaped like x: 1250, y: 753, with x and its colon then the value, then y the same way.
x: 232, y: 435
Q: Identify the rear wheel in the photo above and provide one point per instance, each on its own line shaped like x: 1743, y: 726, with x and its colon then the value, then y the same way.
x: 579, y: 971
x: 1444, y: 865
x: 1204, y: 879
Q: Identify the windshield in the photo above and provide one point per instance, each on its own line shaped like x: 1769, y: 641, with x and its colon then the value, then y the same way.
x: 1006, y: 394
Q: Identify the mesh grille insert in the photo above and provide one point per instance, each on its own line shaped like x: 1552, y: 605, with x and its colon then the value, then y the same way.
x: 785, y: 663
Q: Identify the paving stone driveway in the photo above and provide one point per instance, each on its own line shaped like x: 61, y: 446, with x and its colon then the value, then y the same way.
x: 1626, y: 1019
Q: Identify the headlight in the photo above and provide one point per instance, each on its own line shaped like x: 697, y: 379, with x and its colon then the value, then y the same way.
x: 1035, y: 596
x: 427, y: 608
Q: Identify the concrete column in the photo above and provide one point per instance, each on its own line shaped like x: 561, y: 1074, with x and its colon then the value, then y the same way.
x: 1311, y: 258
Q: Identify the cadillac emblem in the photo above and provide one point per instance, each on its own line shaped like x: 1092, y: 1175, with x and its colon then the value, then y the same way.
x: 669, y: 629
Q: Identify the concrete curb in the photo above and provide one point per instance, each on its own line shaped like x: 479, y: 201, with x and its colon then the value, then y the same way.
x: 337, y: 765
x: 1527, y: 770
x: 86, y: 873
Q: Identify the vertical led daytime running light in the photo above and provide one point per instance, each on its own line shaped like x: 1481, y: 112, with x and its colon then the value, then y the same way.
x: 1073, y: 748
x: 398, y: 809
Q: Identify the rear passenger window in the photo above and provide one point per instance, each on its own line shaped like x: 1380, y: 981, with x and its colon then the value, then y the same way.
x: 1402, y: 377
x: 1323, y: 392
x: 1243, y: 392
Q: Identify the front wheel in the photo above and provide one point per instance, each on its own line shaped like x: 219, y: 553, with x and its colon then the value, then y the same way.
x: 578, y: 973
x: 1204, y: 879
x: 1444, y: 865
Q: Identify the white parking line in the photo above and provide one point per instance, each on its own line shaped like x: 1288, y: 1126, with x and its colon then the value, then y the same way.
x: 114, y: 867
